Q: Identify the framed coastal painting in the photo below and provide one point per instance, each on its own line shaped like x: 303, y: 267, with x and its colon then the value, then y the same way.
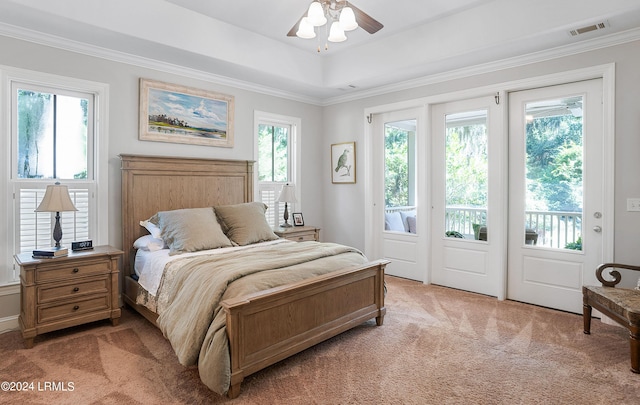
x: 343, y: 162
x: 180, y: 114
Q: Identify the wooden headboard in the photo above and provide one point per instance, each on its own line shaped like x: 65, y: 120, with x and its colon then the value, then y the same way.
x: 156, y: 183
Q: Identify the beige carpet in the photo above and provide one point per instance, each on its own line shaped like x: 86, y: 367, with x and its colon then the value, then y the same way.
x: 437, y: 346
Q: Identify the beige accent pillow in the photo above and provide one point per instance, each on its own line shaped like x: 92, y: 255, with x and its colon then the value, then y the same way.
x: 191, y: 229
x: 245, y: 223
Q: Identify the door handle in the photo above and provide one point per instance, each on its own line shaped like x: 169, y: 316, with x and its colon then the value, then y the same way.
x: 597, y: 229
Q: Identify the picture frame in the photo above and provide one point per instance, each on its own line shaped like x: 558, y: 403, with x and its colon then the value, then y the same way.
x: 298, y: 220
x: 343, y: 163
x: 181, y: 114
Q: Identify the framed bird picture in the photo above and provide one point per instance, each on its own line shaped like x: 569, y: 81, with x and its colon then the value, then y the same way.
x: 343, y: 162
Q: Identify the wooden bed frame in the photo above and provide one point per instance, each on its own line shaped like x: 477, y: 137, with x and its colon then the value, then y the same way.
x: 265, y: 327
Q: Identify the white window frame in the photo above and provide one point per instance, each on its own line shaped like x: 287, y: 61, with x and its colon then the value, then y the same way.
x: 261, y: 117
x: 9, y: 273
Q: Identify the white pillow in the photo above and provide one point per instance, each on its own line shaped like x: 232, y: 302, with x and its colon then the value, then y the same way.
x: 393, y: 222
x: 148, y: 242
x: 153, y: 229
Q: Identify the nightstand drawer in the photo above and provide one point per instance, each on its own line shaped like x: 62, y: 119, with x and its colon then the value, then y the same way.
x: 299, y: 233
x: 70, y: 271
x: 65, y: 291
x: 72, y: 309
x: 302, y: 238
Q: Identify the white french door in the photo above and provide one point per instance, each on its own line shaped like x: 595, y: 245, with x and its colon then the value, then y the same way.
x: 556, y: 193
x: 399, y: 174
x: 468, y: 196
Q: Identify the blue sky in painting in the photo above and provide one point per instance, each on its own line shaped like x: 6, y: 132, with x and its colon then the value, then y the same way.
x: 197, y: 111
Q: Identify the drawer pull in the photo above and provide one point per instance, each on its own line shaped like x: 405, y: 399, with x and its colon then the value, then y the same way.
x: 76, y: 289
x: 76, y: 307
x: 300, y: 238
x: 75, y: 270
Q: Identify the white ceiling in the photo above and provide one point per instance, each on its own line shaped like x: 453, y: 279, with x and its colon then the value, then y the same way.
x: 245, y: 42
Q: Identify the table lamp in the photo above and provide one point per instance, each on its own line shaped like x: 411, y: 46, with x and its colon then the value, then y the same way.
x: 287, y: 195
x: 56, y: 199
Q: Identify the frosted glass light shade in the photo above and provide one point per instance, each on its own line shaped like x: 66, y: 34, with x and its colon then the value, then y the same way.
x: 305, y: 29
x: 316, y: 14
x: 336, y: 34
x: 348, y: 19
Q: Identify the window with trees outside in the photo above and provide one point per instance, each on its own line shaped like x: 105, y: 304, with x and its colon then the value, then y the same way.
x: 275, y: 162
x: 53, y: 139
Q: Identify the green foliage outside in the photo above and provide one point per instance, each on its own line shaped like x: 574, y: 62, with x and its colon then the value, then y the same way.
x: 467, y: 166
x: 577, y: 245
x: 273, y: 152
x: 554, y: 164
x: 396, y: 181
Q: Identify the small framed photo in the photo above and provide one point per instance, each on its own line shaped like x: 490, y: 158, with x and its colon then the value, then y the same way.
x: 297, y: 219
x: 343, y: 162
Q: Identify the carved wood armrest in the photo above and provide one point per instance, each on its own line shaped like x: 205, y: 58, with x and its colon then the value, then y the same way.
x: 614, y: 273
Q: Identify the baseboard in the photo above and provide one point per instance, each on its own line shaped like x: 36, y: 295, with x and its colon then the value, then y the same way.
x: 9, y: 324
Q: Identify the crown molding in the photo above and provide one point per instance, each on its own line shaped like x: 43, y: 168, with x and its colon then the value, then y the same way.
x: 503, y: 64
x: 148, y: 63
x: 122, y: 57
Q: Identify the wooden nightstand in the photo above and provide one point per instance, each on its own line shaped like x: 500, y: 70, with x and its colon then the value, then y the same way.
x: 299, y: 233
x: 67, y: 291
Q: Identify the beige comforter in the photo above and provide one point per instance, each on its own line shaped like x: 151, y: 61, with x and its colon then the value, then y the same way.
x: 190, y: 315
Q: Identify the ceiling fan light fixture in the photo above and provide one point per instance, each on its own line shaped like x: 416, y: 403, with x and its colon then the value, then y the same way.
x: 336, y: 34
x: 305, y: 29
x: 315, y: 15
x: 348, y: 19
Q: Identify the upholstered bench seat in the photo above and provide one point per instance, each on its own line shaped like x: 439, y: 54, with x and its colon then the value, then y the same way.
x: 620, y: 304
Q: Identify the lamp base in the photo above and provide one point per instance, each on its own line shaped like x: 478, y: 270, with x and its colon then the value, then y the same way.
x: 57, y: 231
x: 286, y: 225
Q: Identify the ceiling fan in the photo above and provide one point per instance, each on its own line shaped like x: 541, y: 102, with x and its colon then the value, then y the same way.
x: 332, y: 11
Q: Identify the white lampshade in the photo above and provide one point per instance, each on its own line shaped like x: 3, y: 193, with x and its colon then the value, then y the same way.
x: 316, y: 14
x: 336, y: 34
x: 348, y: 19
x: 56, y: 199
x: 288, y: 194
x: 305, y: 29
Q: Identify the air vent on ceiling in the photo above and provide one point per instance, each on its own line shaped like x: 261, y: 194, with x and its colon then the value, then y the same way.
x: 589, y: 28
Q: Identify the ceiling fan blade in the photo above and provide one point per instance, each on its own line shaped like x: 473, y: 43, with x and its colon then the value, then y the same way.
x: 294, y: 29
x: 365, y: 21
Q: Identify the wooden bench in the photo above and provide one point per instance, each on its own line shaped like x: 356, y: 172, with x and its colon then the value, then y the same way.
x: 620, y: 304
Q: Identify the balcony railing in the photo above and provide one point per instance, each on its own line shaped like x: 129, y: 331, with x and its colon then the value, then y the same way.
x: 555, y: 229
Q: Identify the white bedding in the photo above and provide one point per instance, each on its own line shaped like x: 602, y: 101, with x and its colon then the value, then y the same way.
x: 149, y: 265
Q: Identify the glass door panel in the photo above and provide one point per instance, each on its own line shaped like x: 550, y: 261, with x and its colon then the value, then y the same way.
x: 554, y: 183
x: 400, y: 176
x: 467, y: 175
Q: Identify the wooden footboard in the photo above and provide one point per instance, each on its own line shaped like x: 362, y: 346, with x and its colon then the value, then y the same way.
x: 269, y: 326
